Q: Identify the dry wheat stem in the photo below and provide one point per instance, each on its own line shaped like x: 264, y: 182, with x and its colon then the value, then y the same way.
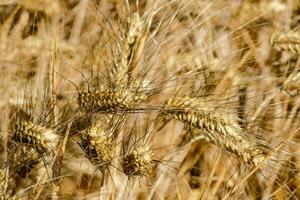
x: 60, y: 146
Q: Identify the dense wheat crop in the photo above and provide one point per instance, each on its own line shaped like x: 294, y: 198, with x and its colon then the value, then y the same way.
x: 158, y: 99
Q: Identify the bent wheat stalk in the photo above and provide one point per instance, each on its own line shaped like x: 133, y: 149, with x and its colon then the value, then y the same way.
x: 218, y: 129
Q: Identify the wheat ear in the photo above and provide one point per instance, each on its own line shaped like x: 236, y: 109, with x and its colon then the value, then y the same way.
x: 122, y: 93
x: 111, y: 100
x: 129, y: 50
x: 137, y: 162
x: 219, y: 129
x: 286, y: 42
x: 97, y: 147
x: 292, y: 84
x: 34, y: 136
x: 22, y: 162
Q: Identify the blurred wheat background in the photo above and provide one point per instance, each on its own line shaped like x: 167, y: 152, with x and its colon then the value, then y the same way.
x: 158, y: 99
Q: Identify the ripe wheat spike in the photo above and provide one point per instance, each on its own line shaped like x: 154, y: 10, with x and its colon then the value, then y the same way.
x: 124, y: 92
x: 219, y: 129
x: 129, y: 50
x: 37, y: 137
x: 292, y: 84
x: 137, y: 162
x: 118, y: 100
x: 97, y: 147
x: 286, y: 42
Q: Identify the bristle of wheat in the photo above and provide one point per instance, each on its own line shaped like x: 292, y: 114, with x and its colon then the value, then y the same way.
x: 287, y: 42
x: 137, y: 162
x: 97, y: 147
x: 218, y: 129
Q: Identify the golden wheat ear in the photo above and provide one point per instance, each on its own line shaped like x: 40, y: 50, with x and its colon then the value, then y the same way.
x: 137, y: 162
x: 28, y: 131
x: 289, y: 41
x: 22, y: 162
x: 121, y: 90
x: 32, y: 127
x: 97, y: 147
x: 219, y: 129
x: 292, y: 84
x: 130, y: 49
x: 39, y: 138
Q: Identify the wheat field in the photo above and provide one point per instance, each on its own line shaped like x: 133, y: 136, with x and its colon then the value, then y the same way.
x: 157, y: 99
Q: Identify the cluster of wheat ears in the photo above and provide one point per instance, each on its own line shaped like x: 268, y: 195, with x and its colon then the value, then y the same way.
x: 157, y: 99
